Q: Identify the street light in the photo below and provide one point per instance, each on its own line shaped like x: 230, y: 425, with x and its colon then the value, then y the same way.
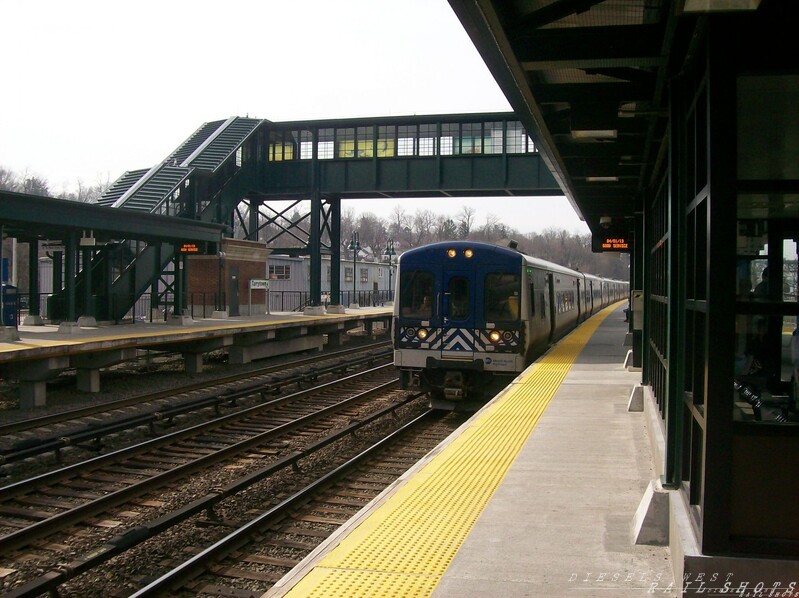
x: 389, y: 251
x: 355, y: 247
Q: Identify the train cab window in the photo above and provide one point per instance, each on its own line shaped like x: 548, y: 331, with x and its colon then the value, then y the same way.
x: 416, y: 294
x: 458, y: 298
x: 502, y: 296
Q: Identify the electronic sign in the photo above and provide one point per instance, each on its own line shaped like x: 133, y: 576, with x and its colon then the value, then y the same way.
x: 611, y: 242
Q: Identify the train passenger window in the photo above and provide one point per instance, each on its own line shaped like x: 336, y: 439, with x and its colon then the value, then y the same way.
x: 416, y: 294
x: 502, y: 295
x: 458, y: 297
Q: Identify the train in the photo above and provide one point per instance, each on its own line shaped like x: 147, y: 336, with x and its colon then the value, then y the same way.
x: 467, y: 315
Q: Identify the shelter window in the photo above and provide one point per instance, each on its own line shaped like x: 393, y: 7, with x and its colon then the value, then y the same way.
x: 325, y: 144
x: 472, y: 138
x: 406, y: 140
x: 348, y: 273
x: 364, y: 274
x: 492, y: 138
x: 386, y: 141
x: 502, y: 296
x: 416, y: 294
x: 427, y: 140
x: 280, y: 272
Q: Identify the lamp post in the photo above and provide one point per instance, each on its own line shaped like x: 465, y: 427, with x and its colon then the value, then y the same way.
x: 355, y: 247
x: 389, y: 251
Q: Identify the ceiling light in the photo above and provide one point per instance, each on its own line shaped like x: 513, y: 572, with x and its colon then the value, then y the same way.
x: 594, y: 133
x: 719, y: 5
x: 602, y: 179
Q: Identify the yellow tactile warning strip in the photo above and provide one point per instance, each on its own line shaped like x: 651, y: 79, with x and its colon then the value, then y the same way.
x: 404, y: 546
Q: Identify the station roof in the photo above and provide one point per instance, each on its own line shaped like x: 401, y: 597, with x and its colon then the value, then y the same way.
x: 34, y: 217
x: 588, y: 80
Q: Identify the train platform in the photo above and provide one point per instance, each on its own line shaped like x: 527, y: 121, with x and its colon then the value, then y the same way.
x: 534, y: 496
x: 41, y: 353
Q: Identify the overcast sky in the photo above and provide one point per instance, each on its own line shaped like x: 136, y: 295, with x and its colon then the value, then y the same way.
x: 92, y: 89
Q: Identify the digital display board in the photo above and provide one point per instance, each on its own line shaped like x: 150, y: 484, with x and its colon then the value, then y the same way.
x: 193, y: 248
x: 611, y: 242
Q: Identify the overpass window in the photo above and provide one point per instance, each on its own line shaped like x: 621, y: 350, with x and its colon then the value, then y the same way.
x: 427, y: 140
x: 365, y: 142
x: 306, y: 145
x: 386, y: 145
x: 492, y: 138
x: 449, y: 133
x: 345, y: 143
x: 325, y: 144
x: 517, y: 138
x: 406, y: 140
x: 472, y: 138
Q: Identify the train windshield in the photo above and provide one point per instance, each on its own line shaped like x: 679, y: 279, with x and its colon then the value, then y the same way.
x: 458, y: 297
x: 502, y: 296
x: 416, y: 294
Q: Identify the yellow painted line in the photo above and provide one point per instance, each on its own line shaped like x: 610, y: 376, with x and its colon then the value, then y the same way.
x: 135, y: 335
x: 404, y: 547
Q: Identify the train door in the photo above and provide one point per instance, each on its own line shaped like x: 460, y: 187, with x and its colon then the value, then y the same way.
x: 456, y: 305
x: 552, y: 312
x: 579, y: 301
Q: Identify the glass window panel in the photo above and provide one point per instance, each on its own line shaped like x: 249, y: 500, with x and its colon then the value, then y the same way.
x: 427, y: 140
x: 493, y: 138
x: 517, y: 138
x: 502, y: 295
x: 458, y: 297
x: 449, y: 137
x: 386, y: 146
x: 472, y: 138
x: 345, y: 142
x: 406, y: 140
x: 416, y: 294
x: 365, y: 142
x: 325, y: 144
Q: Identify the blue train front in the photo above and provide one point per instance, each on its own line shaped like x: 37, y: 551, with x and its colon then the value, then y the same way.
x: 457, y: 317
x: 468, y: 314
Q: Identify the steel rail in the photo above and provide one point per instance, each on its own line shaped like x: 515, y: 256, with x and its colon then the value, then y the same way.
x: 233, y: 541
x: 40, y: 529
x: 50, y: 581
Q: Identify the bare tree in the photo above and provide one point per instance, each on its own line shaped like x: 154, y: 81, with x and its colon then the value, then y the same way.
x: 422, y: 227
x: 8, y: 180
x: 465, y: 221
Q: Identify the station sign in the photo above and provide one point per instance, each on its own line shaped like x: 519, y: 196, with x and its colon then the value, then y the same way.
x: 259, y: 283
x: 611, y: 242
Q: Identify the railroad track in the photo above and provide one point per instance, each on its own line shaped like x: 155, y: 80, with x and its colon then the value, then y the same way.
x: 85, y: 428
x: 54, y: 515
x: 241, y: 554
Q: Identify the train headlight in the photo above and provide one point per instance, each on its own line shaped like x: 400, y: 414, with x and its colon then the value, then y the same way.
x: 451, y: 253
x: 494, y: 336
x: 468, y: 253
x: 422, y: 334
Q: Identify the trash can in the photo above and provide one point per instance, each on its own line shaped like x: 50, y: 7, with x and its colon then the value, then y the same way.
x: 8, y: 297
